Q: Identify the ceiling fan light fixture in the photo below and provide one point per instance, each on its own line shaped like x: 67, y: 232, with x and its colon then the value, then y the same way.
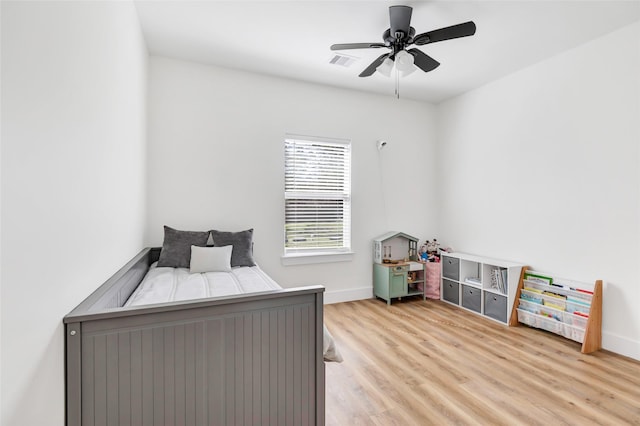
x: 404, y: 62
x: 385, y: 67
x: 399, y: 38
x: 410, y: 71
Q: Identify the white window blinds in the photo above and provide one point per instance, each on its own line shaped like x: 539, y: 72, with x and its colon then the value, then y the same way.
x: 317, y: 195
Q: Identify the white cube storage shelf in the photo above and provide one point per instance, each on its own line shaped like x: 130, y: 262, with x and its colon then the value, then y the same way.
x: 482, y: 285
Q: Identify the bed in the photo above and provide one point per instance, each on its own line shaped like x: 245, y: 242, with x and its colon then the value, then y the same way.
x: 210, y: 359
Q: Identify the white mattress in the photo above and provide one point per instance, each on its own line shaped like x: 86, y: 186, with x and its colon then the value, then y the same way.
x: 163, y: 285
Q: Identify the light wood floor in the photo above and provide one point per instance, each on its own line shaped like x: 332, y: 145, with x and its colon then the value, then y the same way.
x: 421, y: 363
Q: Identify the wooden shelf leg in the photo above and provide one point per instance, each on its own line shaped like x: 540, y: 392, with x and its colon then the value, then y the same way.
x: 593, y: 333
x: 513, y: 320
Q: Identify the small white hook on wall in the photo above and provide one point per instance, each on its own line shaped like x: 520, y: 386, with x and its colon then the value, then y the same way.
x: 381, y: 144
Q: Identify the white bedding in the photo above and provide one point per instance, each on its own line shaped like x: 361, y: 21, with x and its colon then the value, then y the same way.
x: 163, y: 285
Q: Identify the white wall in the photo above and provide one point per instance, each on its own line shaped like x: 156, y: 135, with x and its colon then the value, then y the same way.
x: 0, y: 218
x: 216, y: 160
x: 73, y: 181
x: 543, y: 167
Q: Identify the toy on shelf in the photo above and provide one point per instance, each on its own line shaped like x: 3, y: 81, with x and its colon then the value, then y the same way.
x: 423, y: 252
x: 430, y: 251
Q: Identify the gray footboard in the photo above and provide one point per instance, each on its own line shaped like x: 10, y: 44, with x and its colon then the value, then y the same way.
x: 251, y: 359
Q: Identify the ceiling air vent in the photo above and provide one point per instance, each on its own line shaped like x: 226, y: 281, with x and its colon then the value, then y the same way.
x: 343, y: 60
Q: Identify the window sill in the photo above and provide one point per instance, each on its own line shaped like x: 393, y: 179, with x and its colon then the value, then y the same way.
x: 311, y: 258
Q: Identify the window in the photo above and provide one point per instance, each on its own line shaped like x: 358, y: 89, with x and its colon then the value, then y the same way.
x: 317, y: 194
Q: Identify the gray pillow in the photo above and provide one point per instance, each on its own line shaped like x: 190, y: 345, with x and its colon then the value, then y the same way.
x: 242, y: 242
x: 176, y: 247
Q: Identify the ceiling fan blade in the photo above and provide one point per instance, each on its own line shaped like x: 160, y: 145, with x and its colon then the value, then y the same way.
x: 375, y: 64
x: 400, y: 19
x: 355, y: 46
x: 423, y: 61
x: 447, y: 33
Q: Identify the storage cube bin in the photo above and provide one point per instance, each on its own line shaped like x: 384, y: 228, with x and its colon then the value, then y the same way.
x: 450, y: 291
x: 471, y: 298
x: 495, y: 306
x: 451, y: 268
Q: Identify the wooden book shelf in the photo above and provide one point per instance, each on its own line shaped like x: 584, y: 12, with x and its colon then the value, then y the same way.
x: 552, y: 307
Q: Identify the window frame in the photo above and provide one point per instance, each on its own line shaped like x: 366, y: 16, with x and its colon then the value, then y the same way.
x: 320, y: 254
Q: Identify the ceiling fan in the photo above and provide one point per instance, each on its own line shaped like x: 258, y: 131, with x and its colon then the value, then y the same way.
x: 401, y: 35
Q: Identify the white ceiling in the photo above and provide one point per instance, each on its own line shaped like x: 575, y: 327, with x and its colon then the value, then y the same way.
x: 291, y: 39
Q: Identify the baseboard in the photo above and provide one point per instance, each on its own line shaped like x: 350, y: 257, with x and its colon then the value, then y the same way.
x: 621, y: 345
x: 348, y: 295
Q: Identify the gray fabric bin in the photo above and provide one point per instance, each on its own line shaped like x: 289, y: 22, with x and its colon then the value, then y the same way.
x: 471, y: 298
x: 450, y: 291
x: 495, y: 306
x: 450, y: 268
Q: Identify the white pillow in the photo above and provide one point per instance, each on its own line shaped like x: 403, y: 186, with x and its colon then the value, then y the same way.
x: 210, y: 259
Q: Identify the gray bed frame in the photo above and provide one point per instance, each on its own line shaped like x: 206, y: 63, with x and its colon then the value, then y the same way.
x: 243, y: 360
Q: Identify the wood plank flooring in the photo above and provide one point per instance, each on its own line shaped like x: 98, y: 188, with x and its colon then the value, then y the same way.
x: 422, y: 363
